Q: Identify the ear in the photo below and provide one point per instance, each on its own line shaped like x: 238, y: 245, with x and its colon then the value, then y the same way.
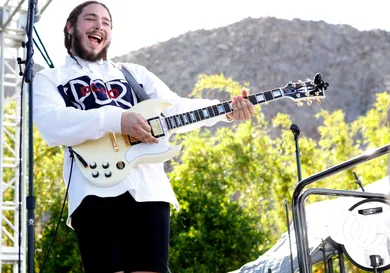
x: 69, y: 28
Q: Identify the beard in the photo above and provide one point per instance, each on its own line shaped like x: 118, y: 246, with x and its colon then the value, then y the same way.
x: 83, y: 53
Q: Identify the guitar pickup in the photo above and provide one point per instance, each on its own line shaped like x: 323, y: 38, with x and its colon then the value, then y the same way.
x: 157, y: 130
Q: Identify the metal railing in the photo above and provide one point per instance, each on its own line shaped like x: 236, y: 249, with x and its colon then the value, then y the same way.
x: 299, y: 197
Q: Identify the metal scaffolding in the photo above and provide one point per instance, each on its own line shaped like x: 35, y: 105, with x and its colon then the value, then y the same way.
x: 13, y: 134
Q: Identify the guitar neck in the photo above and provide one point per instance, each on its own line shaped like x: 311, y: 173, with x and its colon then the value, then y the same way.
x: 223, y: 108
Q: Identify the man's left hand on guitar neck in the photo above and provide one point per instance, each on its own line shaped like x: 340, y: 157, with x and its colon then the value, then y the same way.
x: 242, y: 108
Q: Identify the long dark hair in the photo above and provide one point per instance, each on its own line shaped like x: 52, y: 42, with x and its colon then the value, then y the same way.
x: 72, y: 19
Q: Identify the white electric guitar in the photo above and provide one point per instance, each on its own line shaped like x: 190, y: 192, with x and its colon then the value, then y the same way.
x: 107, y: 161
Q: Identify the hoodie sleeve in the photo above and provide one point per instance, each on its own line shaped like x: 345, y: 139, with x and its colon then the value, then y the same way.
x: 61, y: 125
x: 156, y: 88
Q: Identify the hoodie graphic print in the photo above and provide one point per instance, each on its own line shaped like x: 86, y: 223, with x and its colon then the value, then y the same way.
x: 84, y: 93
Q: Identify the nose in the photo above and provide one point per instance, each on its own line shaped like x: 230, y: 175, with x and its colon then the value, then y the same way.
x: 98, y: 25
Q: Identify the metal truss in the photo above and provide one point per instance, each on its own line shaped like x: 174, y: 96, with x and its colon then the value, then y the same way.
x: 13, y: 135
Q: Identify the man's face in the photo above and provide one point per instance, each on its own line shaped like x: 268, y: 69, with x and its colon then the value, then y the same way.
x: 92, y: 33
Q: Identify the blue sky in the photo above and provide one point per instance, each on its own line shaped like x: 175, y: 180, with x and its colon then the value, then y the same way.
x: 153, y: 21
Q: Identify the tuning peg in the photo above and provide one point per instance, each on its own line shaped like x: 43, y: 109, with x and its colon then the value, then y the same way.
x: 309, y: 102
x: 318, y: 102
x: 299, y: 103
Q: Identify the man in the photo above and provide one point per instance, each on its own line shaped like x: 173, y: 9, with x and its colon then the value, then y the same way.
x: 123, y: 227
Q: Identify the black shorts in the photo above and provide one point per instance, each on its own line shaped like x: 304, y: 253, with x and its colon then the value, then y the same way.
x: 120, y: 234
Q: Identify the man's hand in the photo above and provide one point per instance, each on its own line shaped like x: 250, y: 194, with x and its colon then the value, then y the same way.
x: 133, y: 124
x: 242, y: 108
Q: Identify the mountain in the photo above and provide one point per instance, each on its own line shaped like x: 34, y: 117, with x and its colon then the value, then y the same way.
x: 269, y: 52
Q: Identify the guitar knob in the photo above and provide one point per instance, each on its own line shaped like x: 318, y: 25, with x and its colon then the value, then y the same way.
x: 309, y: 102
x: 107, y: 174
x: 92, y: 165
x: 318, y: 102
x: 299, y: 103
x: 95, y: 174
x: 105, y: 165
x: 120, y: 165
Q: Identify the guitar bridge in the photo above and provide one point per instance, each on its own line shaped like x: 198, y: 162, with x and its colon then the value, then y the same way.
x: 127, y: 140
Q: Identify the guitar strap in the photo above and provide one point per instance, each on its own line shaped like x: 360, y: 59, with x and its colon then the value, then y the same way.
x: 138, y: 89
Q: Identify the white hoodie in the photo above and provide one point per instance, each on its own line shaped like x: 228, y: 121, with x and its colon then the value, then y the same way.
x: 73, y: 104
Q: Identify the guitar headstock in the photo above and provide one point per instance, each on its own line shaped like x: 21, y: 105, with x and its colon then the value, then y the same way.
x: 306, y: 91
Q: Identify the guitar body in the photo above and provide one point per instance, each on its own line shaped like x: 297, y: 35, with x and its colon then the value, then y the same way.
x: 109, y: 164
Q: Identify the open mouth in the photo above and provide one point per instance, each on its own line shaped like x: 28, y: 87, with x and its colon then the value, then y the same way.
x: 95, y: 39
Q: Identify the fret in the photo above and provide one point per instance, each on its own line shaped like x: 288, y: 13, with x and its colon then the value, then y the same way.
x: 174, y: 122
x: 252, y: 99
x: 168, y: 122
x: 210, y: 110
x: 227, y: 107
x: 260, y: 98
x: 189, y: 117
x: 185, y: 118
x: 205, y: 113
x: 221, y: 109
x: 183, y: 122
x: 268, y: 95
x: 277, y: 93
x: 215, y: 110
x: 196, y: 113
x: 177, y: 124
x: 178, y: 121
x: 193, y: 116
x: 200, y: 111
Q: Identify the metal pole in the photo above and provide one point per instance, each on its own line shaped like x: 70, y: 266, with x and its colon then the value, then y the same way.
x: 31, y: 201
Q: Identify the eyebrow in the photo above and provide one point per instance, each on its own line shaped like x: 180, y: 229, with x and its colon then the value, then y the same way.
x: 95, y: 15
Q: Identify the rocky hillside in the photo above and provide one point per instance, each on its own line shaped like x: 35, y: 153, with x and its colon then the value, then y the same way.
x: 269, y: 52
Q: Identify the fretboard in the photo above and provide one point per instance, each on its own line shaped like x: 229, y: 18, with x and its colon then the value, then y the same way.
x: 223, y: 108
